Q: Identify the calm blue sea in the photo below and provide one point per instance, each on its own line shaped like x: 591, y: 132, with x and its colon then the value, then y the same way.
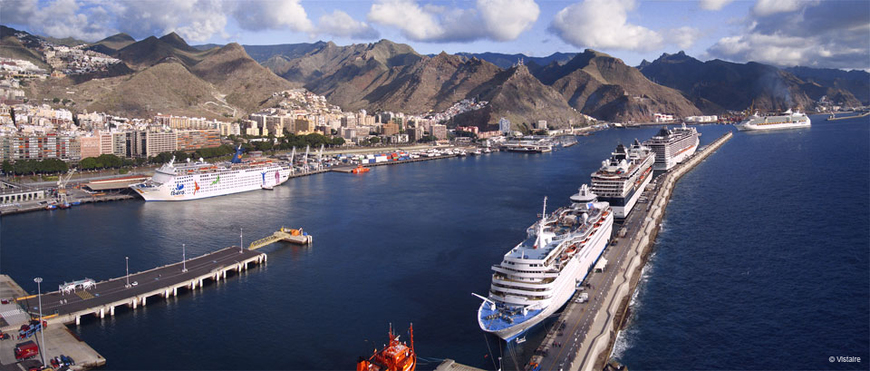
x: 762, y: 262
x: 410, y: 243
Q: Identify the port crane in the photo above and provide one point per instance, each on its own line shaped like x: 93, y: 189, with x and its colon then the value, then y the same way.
x: 62, y: 181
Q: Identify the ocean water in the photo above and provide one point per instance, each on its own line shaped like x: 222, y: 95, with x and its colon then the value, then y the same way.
x: 399, y: 244
x: 763, y: 259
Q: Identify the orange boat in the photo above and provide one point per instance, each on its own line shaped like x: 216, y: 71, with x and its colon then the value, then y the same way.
x: 395, y: 357
x: 360, y: 169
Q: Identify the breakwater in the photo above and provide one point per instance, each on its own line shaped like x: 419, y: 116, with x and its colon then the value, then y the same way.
x: 597, y: 348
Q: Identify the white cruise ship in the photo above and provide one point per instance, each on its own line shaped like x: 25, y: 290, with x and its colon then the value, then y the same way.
x: 540, y: 274
x: 172, y: 182
x: 623, y: 177
x: 788, y: 120
x: 672, y: 146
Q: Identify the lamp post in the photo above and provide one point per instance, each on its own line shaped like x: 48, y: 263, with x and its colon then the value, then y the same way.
x: 127, y: 263
x: 38, y: 281
x: 240, y: 240
x: 183, y: 258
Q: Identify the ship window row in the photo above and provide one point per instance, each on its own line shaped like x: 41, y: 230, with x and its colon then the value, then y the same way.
x: 518, y: 288
x: 503, y: 294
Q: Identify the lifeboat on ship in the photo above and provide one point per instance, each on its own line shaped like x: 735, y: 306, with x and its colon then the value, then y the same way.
x: 397, y: 356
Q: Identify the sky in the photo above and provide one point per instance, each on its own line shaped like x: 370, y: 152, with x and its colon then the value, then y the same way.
x: 815, y: 33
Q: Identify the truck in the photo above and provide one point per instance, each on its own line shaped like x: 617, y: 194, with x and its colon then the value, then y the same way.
x: 26, y: 350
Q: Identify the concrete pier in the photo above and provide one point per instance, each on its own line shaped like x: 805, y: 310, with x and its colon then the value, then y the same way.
x: 63, y: 308
x: 583, y: 336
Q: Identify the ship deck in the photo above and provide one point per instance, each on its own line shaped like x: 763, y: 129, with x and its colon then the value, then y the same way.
x: 504, y: 316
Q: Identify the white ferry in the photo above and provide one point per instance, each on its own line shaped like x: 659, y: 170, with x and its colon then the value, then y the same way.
x: 623, y: 177
x: 788, y: 120
x: 193, y: 181
x: 672, y: 146
x: 539, y: 275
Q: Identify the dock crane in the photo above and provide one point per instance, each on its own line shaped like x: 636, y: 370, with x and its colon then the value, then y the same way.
x: 62, y: 181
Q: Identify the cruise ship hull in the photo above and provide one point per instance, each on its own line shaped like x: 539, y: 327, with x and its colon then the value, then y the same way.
x: 574, y: 273
x: 768, y: 127
x: 676, y: 159
x: 199, y: 186
x: 622, y: 206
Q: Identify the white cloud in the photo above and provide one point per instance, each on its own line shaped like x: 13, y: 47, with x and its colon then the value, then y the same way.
x: 272, y: 15
x: 499, y: 20
x: 831, y: 34
x: 684, y: 37
x: 768, y: 7
x: 193, y: 20
x: 603, y: 24
x: 506, y: 19
x: 714, y: 4
x: 59, y: 18
x: 415, y: 22
x: 341, y: 24
x: 774, y: 49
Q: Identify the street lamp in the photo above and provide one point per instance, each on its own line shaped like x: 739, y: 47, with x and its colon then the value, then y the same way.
x: 127, y: 262
x: 183, y: 258
x: 38, y: 281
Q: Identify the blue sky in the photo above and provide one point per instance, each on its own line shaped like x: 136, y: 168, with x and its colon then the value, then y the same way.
x: 834, y: 34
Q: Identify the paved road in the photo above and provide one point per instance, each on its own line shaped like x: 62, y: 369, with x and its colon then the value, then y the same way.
x: 562, y: 343
x: 114, y: 290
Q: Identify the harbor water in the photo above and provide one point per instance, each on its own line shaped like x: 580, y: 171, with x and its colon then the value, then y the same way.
x: 762, y: 262
x: 409, y: 243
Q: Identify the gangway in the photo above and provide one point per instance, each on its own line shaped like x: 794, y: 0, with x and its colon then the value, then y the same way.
x: 295, y: 236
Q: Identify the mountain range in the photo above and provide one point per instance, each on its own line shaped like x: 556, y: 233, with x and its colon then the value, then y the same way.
x: 170, y: 76
x: 717, y: 85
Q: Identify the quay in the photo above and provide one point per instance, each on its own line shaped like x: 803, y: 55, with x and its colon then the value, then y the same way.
x: 64, y: 307
x: 348, y: 168
x: 583, y: 336
x: 58, y: 339
x: 833, y: 117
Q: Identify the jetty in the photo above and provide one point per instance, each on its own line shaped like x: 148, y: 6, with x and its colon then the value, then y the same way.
x: 833, y: 117
x: 78, y: 299
x: 583, y: 336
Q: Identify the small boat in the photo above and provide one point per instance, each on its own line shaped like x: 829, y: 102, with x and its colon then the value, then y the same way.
x: 360, y: 169
x: 268, y: 188
x: 397, y: 356
x: 51, y: 207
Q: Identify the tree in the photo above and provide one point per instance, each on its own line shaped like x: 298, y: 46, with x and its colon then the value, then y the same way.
x: 88, y: 163
x: 264, y: 145
x: 7, y: 167
x: 427, y: 138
